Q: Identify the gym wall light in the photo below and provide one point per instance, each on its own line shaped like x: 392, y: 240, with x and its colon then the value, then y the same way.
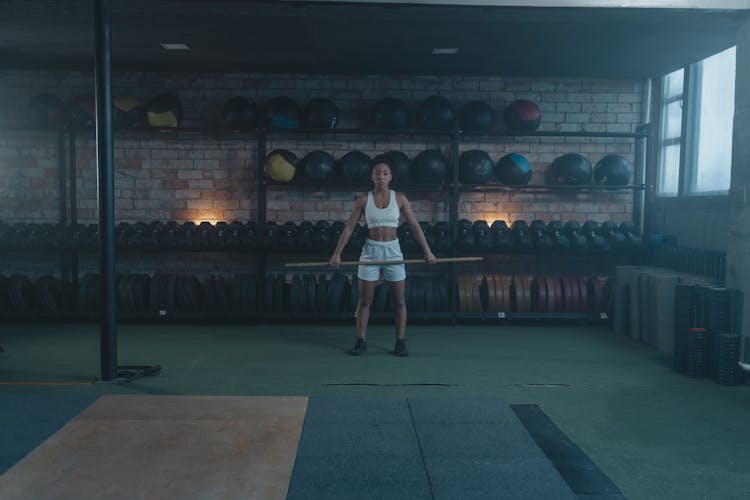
x: 175, y: 46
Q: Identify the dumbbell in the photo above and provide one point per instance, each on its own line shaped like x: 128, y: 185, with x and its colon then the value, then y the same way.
x: 169, y: 235
x: 186, y: 236
x: 441, y: 237
x: 596, y: 243
x: 271, y: 232
x: 522, y: 241
x: 573, y: 231
x: 234, y: 234
x: 250, y: 235
x: 539, y: 236
x: 558, y: 240
x: 287, y: 237
x: 305, y: 236
x: 630, y: 232
x: 611, y: 232
x: 501, y: 237
x: 321, y: 237
x: 465, y: 236
x: 482, y: 236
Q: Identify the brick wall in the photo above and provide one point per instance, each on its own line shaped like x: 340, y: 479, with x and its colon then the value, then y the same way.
x: 199, y: 176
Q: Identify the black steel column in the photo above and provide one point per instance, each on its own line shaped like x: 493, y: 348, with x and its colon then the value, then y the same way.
x: 72, y: 179
x: 260, y: 281
x: 453, y: 221
x: 63, y: 220
x: 648, y: 191
x: 105, y: 179
x: 638, y: 169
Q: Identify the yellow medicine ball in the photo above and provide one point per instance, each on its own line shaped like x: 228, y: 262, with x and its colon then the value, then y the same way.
x: 281, y: 165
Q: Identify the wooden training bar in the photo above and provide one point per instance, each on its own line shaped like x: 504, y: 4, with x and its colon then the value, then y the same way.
x: 348, y: 263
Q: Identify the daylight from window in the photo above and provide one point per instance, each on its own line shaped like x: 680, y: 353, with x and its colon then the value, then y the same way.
x: 714, y: 156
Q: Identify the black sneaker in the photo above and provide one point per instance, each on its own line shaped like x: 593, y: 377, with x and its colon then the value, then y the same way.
x: 400, y: 349
x: 360, y: 346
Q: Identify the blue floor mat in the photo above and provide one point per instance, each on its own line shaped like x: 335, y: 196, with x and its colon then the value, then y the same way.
x: 26, y: 420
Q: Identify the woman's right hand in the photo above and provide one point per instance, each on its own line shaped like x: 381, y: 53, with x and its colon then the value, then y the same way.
x: 335, y: 261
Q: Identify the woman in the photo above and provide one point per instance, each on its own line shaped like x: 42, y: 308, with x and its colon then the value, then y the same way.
x: 382, y: 208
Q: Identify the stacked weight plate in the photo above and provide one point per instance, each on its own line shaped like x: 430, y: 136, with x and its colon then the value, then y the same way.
x: 697, y: 353
x: 727, y: 372
x: 686, y: 295
x: 718, y: 310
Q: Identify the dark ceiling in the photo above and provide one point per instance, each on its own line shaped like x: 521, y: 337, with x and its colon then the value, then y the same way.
x: 343, y: 38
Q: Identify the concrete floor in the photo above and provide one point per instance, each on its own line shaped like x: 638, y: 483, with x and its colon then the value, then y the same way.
x: 655, y: 433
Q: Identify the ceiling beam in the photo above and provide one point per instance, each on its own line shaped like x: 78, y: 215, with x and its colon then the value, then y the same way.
x: 639, y: 4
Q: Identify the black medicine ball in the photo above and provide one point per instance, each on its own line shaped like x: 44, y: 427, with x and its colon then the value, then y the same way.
x: 400, y: 165
x: 435, y: 113
x: 128, y: 112
x: 354, y: 166
x: 477, y: 116
x: 318, y: 166
x: 282, y: 112
x: 513, y: 169
x: 239, y: 112
x: 572, y: 169
x: 81, y: 112
x: 164, y: 110
x: 392, y: 114
x: 612, y: 170
x: 429, y: 166
x: 523, y: 115
x: 321, y: 113
x: 475, y: 166
x: 46, y: 111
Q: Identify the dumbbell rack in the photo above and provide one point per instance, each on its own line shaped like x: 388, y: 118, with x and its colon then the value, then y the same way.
x: 69, y: 256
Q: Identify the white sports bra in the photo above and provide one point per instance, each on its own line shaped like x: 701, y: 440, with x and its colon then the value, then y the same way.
x: 382, y: 217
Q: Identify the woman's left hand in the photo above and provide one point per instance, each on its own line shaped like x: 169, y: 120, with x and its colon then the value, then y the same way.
x: 429, y: 257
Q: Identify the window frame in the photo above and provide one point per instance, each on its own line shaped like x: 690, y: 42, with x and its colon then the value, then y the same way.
x: 689, y: 135
x: 672, y: 141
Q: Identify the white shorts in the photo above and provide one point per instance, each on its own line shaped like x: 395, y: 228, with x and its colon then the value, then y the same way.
x: 382, y: 250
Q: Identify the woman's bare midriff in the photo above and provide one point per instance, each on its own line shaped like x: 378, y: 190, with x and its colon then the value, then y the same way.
x: 382, y: 233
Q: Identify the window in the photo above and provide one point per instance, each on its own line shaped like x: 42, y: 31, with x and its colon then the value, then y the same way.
x: 670, y: 133
x: 706, y: 92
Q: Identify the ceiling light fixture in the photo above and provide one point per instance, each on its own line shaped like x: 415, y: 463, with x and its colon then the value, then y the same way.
x: 175, y: 46
x: 444, y: 51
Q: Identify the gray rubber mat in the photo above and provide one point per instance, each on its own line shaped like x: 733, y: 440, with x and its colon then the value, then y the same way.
x: 431, y: 448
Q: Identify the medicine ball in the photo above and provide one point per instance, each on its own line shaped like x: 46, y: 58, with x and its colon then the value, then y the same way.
x: 513, y: 169
x: 46, y: 111
x: 477, y: 116
x: 318, y: 166
x: 81, y: 112
x: 522, y: 115
x: 128, y: 112
x: 475, y: 166
x: 429, y: 166
x: 282, y: 112
x: 354, y: 166
x: 391, y: 113
x: 572, y: 169
x: 280, y: 165
x: 321, y: 113
x: 164, y: 110
x: 400, y: 165
x: 239, y: 112
x: 435, y: 113
x: 612, y: 170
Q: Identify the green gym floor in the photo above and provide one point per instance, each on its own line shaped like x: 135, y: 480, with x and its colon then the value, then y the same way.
x: 655, y: 433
